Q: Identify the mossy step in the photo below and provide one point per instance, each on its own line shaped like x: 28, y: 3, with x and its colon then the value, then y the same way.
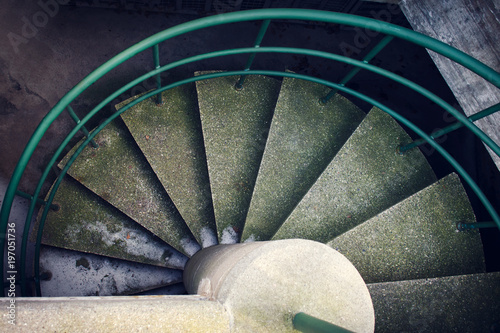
x: 119, y: 173
x: 366, y: 177
x: 170, y: 137
x: 235, y: 128
x: 304, y: 137
x: 75, y: 273
x: 465, y: 303
x: 417, y: 238
x: 86, y: 223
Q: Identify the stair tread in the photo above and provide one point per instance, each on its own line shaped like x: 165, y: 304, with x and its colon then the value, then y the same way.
x: 304, y: 137
x: 417, y: 238
x: 81, y: 274
x: 465, y: 303
x: 366, y: 177
x: 171, y: 139
x: 87, y: 223
x: 235, y: 126
x: 119, y: 173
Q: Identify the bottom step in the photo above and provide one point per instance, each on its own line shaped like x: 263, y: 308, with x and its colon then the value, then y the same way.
x: 464, y: 303
x: 75, y: 273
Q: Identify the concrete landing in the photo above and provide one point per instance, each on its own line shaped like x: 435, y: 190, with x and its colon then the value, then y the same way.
x: 366, y: 177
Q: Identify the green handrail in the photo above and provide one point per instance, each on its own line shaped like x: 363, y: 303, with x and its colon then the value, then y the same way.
x: 264, y: 14
x: 309, y: 324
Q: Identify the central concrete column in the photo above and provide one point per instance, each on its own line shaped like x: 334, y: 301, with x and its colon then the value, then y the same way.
x: 263, y: 285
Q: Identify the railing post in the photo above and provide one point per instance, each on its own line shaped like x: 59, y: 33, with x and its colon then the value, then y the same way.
x: 379, y: 47
x: 38, y: 200
x: 258, y: 40
x: 156, y: 58
x: 83, y: 129
x: 484, y: 113
x: 309, y: 324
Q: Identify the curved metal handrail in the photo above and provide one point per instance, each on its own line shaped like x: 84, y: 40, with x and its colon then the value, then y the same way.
x: 264, y: 14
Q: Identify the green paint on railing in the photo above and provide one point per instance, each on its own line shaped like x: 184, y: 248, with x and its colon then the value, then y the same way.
x: 448, y: 129
x: 156, y: 59
x: 75, y: 118
x: 309, y: 324
x: 266, y: 15
x: 373, y: 52
x: 258, y: 41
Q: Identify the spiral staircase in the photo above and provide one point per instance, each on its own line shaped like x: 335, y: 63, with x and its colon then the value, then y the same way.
x: 214, y: 163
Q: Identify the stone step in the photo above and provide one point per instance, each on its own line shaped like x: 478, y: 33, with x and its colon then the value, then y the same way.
x: 119, y: 173
x: 235, y: 128
x: 417, y: 238
x: 304, y: 137
x: 86, y: 223
x: 75, y: 273
x: 366, y: 177
x: 189, y: 313
x: 465, y: 303
x: 170, y: 137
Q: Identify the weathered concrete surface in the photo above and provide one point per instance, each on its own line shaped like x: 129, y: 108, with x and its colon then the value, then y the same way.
x: 171, y: 139
x: 303, y: 138
x: 85, y: 222
x: 73, y: 273
x: 464, y: 303
x: 119, y: 173
x: 235, y: 128
x: 117, y: 314
x: 366, y: 177
x: 416, y: 238
x: 264, y: 284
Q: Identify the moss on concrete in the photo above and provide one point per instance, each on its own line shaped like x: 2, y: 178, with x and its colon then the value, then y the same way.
x: 235, y: 127
x: 366, y: 177
x: 118, y: 172
x: 170, y: 137
x: 417, y: 238
x: 304, y: 137
x: 465, y: 303
x: 86, y: 223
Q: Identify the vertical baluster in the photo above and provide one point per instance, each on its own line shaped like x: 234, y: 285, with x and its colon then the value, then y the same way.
x: 258, y: 40
x: 83, y: 129
x: 379, y: 47
x: 156, y: 57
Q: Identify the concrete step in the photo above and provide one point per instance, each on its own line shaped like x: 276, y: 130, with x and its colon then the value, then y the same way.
x: 465, y: 303
x: 75, y: 273
x: 366, y: 177
x: 417, y: 238
x: 118, y: 172
x: 304, y: 137
x: 118, y: 314
x: 235, y: 128
x: 171, y: 139
x: 86, y: 223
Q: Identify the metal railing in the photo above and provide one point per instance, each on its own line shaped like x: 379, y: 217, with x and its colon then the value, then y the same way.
x: 266, y: 16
